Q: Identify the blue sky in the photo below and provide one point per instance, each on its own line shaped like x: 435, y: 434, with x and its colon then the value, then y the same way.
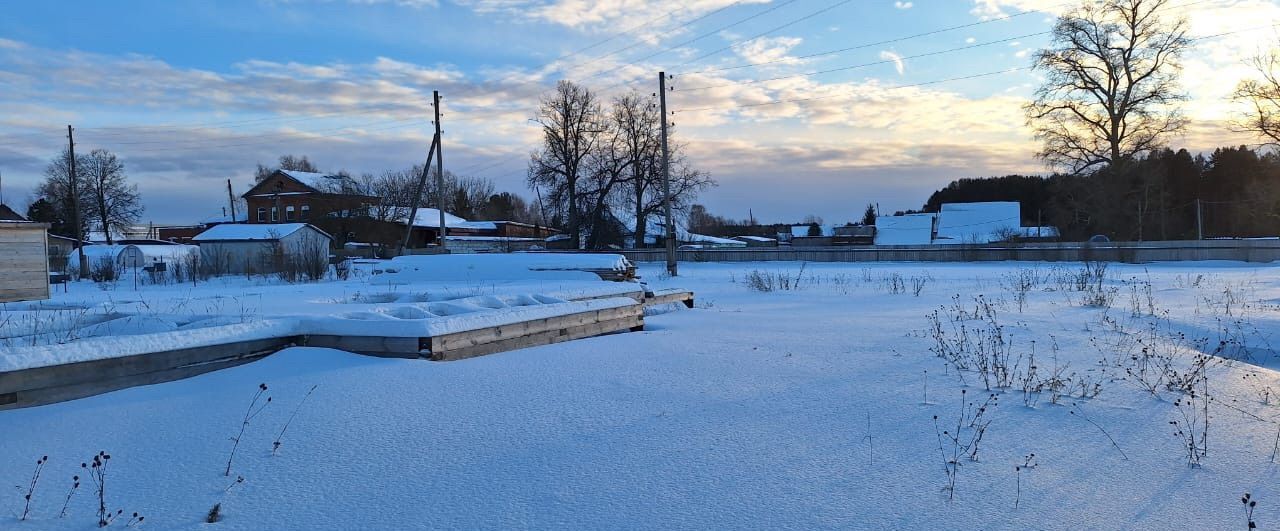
x: 191, y: 93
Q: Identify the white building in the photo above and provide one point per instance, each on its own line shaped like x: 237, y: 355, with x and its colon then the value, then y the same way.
x: 263, y: 248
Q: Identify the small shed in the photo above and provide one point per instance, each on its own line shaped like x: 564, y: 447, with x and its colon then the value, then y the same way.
x: 263, y: 248
x: 24, y: 263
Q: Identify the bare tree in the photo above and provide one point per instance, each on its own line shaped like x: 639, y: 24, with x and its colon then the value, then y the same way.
x: 287, y: 162
x: 56, y: 190
x: 1262, y: 96
x: 570, y: 120
x: 114, y: 203
x: 1110, y: 85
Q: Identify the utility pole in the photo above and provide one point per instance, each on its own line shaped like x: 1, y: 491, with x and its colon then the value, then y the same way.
x: 231, y: 199
x: 417, y: 195
x: 666, y: 177
x: 435, y: 95
x: 1199, y: 221
x: 75, y: 202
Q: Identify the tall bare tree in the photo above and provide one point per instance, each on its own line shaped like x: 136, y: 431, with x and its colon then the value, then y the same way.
x: 114, y: 203
x: 286, y: 162
x: 56, y: 189
x: 571, y: 128
x: 1111, y: 83
x: 1262, y: 96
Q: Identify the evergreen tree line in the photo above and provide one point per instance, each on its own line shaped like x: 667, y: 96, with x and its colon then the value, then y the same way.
x: 1163, y: 195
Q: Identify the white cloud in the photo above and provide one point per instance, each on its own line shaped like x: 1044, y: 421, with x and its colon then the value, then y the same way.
x: 903, y: 5
x: 898, y: 64
x: 768, y: 50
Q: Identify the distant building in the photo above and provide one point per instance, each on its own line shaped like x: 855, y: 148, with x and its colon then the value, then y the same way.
x: 8, y: 214
x: 260, y: 248
x: 961, y: 223
x: 288, y: 196
x: 757, y: 241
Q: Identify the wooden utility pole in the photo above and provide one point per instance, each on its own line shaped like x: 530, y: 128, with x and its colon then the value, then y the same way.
x: 417, y: 195
x: 231, y: 199
x: 435, y: 95
x: 666, y: 177
x: 74, y: 188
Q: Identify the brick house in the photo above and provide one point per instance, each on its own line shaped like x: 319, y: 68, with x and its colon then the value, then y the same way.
x: 291, y: 196
x: 288, y: 196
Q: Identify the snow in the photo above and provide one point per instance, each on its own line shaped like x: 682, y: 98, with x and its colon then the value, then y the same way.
x: 761, y: 239
x: 978, y: 222
x: 248, y: 232
x: 499, y: 267
x: 803, y: 409
x: 430, y: 217
x: 909, y: 229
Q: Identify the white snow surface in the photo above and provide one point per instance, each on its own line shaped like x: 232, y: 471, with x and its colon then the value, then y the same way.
x: 810, y: 408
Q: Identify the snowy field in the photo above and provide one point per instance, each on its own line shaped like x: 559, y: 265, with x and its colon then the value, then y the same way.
x: 792, y: 396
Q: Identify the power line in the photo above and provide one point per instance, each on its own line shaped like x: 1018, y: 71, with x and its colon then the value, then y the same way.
x: 830, y: 96
x: 862, y: 46
x: 763, y: 33
x: 863, y: 65
x: 695, y: 39
x: 660, y: 36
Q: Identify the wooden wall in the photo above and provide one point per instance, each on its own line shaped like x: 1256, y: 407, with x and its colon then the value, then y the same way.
x: 24, y: 262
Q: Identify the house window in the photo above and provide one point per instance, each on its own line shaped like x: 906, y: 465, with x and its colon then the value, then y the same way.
x: 262, y: 214
x: 306, y: 212
x: 275, y: 214
x: 288, y: 213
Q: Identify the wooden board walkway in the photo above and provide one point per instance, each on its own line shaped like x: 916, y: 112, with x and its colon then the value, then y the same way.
x: 494, y: 339
x: 59, y: 383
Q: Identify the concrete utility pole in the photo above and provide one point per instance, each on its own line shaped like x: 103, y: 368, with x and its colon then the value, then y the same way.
x: 435, y: 95
x: 75, y: 202
x: 666, y: 177
x: 231, y: 199
x: 417, y: 195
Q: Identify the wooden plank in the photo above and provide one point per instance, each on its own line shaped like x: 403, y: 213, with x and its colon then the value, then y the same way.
x: 125, y: 366
x: 25, y: 294
x: 20, y: 236
x: 542, y: 338
x: 685, y: 297
x: 396, y: 347
x: 498, y: 333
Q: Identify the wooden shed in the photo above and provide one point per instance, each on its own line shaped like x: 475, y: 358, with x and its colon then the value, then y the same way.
x: 24, y: 261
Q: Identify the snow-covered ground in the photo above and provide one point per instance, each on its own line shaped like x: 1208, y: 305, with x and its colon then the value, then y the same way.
x: 808, y: 407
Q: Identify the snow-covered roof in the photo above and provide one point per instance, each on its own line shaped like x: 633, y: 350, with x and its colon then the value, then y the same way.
x: 755, y: 238
x: 251, y: 232
x: 978, y: 222
x: 690, y: 237
x: 476, y: 225
x: 430, y: 217
x: 911, y: 229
